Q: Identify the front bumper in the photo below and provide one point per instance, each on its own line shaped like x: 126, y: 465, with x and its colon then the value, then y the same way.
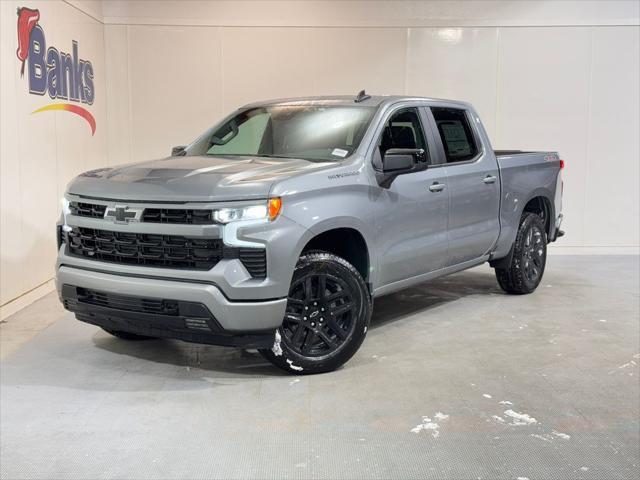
x: 230, y: 323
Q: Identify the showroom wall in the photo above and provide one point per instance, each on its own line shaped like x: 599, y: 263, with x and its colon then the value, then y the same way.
x: 41, y: 151
x: 543, y: 74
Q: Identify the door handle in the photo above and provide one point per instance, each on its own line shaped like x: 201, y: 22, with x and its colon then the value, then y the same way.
x: 490, y: 179
x: 436, y: 187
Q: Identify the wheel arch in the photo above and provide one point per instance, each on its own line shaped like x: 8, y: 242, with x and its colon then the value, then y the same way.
x: 540, y: 203
x: 346, y: 242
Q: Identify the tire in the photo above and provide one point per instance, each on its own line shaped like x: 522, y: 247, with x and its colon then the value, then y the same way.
x: 127, y: 336
x: 326, y: 318
x: 524, y: 273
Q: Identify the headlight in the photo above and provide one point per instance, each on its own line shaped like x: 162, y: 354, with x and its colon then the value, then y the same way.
x: 65, y: 211
x: 65, y: 206
x: 265, y: 211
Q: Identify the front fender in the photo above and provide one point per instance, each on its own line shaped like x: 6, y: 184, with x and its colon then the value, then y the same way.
x: 316, y: 211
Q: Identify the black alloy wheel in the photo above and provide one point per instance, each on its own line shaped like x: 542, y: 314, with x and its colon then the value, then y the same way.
x: 326, y: 317
x: 529, y: 257
x: 533, y: 253
x: 320, y: 314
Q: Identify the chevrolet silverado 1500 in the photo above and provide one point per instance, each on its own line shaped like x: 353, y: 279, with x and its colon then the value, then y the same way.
x: 278, y: 227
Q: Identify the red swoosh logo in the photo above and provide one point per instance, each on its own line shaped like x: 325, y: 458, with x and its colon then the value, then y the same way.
x: 27, y: 20
x: 84, y: 113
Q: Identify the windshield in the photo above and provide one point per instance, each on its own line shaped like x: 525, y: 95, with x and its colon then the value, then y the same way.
x: 316, y: 133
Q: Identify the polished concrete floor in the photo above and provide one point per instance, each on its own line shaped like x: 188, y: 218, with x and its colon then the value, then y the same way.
x: 455, y: 380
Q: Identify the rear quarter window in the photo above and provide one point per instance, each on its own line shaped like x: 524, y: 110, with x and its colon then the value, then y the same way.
x: 456, y: 134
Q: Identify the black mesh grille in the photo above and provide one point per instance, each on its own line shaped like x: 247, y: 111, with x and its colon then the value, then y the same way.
x: 87, y: 209
x: 186, y: 216
x: 154, y: 250
x: 177, y: 215
x: 125, y: 302
x: 145, y: 249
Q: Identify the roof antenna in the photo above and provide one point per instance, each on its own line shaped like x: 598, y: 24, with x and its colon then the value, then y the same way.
x: 362, y: 96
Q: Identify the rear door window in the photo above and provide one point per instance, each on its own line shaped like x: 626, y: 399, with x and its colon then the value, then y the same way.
x: 456, y: 134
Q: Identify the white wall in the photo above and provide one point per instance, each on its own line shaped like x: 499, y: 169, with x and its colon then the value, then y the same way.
x: 544, y: 74
x: 571, y: 86
x: 41, y: 152
x: 367, y: 13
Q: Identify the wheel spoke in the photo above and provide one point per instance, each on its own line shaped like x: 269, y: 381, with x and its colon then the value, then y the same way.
x: 292, y: 317
x: 296, y: 339
x: 340, y: 309
x: 537, y: 261
x: 336, y: 296
x: 322, y: 286
x: 308, y: 342
x: 327, y: 340
x: 308, y: 289
x: 333, y: 325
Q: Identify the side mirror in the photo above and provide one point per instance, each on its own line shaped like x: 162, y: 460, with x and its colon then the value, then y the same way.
x: 398, y: 161
x: 178, y: 151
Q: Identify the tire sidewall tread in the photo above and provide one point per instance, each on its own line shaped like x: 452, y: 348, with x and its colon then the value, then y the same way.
x: 512, y: 279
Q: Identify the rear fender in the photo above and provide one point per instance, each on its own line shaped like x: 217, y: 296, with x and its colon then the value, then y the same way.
x: 510, y: 221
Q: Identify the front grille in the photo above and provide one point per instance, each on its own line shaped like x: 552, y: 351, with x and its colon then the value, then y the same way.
x: 153, y: 250
x: 168, y: 251
x: 187, y: 216
x: 87, y: 209
x: 124, y: 302
x: 177, y: 215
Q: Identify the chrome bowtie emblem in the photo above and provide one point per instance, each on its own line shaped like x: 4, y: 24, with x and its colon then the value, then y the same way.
x: 123, y: 214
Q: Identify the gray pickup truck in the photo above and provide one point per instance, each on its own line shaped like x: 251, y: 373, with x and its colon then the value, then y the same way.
x: 277, y: 228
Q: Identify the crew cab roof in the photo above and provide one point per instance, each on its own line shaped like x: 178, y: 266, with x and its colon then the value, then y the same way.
x: 349, y: 100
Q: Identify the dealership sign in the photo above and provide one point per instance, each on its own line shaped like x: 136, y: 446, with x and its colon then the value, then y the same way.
x: 64, y: 76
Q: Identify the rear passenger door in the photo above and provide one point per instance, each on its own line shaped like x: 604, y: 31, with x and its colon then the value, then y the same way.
x: 473, y: 183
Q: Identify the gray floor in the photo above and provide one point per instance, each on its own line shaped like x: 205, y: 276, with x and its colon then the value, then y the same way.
x: 426, y: 396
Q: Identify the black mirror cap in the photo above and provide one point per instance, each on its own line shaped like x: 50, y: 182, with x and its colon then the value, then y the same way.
x: 178, y: 151
x: 398, y: 160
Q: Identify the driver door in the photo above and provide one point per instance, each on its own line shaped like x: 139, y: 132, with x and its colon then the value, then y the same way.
x: 412, y: 214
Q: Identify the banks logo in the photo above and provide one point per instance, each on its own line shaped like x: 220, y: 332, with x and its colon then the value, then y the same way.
x: 62, y: 75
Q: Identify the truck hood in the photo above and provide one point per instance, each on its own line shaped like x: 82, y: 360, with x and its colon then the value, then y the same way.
x: 192, y: 178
